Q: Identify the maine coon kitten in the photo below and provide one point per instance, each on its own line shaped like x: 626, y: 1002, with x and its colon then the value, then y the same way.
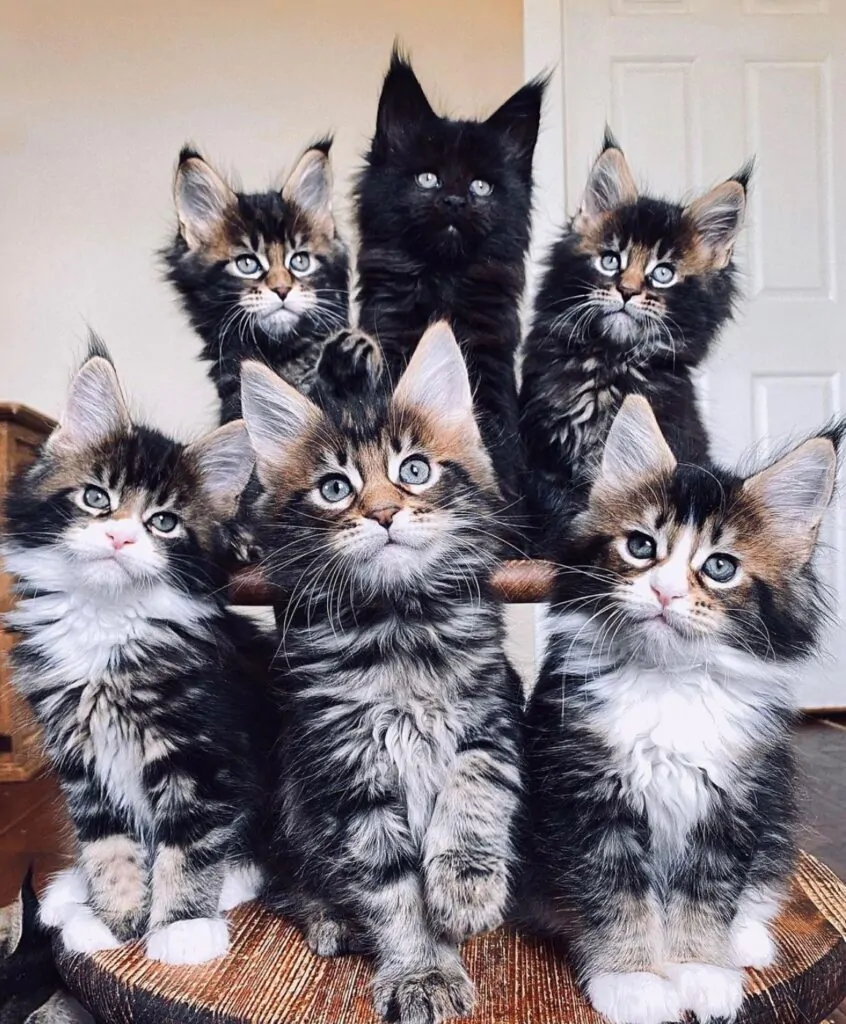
x: 400, y: 768
x: 661, y: 809
x: 443, y: 211
x: 632, y: 298
x: 148, y: 690
x: 261, y: 275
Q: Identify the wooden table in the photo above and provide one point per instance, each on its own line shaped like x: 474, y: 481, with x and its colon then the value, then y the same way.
x: 270, y: 977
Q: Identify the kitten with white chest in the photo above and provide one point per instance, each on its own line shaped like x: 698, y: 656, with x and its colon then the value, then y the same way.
x: 399, y: 771
x: 659, y: 834
x: 149, y: 692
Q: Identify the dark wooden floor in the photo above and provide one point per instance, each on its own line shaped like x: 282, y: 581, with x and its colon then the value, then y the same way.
x: 33, y: 828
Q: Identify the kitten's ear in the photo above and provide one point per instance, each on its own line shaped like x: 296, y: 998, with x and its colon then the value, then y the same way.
x: 436, y: 379
x: 95, y: 409
x: 225, y: 459
x: 309, y: 187
x: 403, y: 106
x: 796, y: 490
x: 518, y: 119
x: 275, y: 414
x: 718, y: 217
x: 610, y: 184
x: 202, y: 198
x: 634, y: 449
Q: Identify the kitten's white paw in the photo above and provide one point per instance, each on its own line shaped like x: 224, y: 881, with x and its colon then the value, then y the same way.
x: 241, y: 883
x: 709, y: 991
x: 189, y: 942
x: 752, y: 944
x: 636, y: 998
x: 65, y: 894
x: 82, y: 932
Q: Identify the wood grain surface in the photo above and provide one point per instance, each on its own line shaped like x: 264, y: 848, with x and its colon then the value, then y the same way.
x: 270, y: 977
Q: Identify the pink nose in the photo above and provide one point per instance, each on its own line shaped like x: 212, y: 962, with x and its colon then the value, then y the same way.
x: 665, y: 594
x: 119, y: 540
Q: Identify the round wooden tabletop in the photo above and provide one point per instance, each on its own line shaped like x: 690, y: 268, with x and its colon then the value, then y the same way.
x: 270, y: 977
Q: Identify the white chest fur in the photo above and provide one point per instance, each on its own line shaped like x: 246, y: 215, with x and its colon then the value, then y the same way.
x: 675, y: 737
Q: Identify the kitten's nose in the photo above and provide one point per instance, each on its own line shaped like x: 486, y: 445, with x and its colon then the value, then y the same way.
x: 384, y: 514
x: 666, y: 592
x: 454, y: 202
x: 282, y: 290
x: 119, y: 540
x: 627, y: 292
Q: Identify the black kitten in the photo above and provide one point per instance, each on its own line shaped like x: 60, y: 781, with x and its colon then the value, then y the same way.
x: 262, y: 276
x: 660, y: 770
x: 443, y: 216
x: 633, y: 296
x: 148, y: 689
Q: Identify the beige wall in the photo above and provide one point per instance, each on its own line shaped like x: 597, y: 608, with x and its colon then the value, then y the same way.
x: 97, y: 97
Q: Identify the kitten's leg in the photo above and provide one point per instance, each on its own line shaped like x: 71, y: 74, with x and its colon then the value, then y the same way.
x: 619, y: 947
x: 751, y: 936
x: 242, y: 882
x: 468, y: 847
x: 351, y: 363
x: 420, y: 979
x: 195, y: 839
x: 703, y: 896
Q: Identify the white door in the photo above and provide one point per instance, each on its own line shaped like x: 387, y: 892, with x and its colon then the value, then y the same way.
x: 692, y: 88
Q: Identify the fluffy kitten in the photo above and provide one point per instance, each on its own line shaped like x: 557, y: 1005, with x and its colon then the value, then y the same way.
x: 660, y: 773
x: 633, y: 296
x: 443, y: 212
x: 147, y: 689
x: 400, y: 768
x: 263, y: 275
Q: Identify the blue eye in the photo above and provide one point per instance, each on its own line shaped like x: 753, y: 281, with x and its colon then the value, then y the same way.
x: 415, y: 470
x: 247, y: 264
x: 663, y: 275
x: 720, y: 568
x: 641, y: 545
x: 163, y: 522
x: 335, y: 488
x: 96, y: 498
x: 608, y: 262
x: 481, y: 188
x: 428, y: 179
x: 300, y: 263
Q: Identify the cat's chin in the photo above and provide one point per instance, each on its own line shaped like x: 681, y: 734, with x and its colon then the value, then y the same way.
x: 279, y: 322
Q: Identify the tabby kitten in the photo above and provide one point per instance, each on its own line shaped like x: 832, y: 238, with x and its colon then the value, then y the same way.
x: 150, y: 703
x: 632, y: 298
x: 400, y: 768
x: 443, y: 211
x: 263, y: 275
x: 661, y: 808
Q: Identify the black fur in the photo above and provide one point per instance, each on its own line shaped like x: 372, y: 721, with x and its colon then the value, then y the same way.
x: 445, y: 253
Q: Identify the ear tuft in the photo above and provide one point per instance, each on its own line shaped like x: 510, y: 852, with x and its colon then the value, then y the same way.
x: 202, y: 198
x: 796, y: 489
x: 718, y: 217
x: 95, y: 410
x: 309, y: 186
x: 225, y: 459
x: 275, y: 414
x: 634, y: 449
x: 610, y: 184
x: 518, y: 120
x: 436, y: 379
x: 403, y: 106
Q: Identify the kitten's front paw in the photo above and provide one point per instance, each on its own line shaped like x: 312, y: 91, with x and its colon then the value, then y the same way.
x: 82, y: 932
x: 65, y: 894
x: 711, y: 992
x: 636, y: 998
x: 241, y: 884
x: 425, y: 996
x: 463, y: 898
x: 752, y: 945
x: 328, y: 936
x: 349, y: 360
x: 194, y: 941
